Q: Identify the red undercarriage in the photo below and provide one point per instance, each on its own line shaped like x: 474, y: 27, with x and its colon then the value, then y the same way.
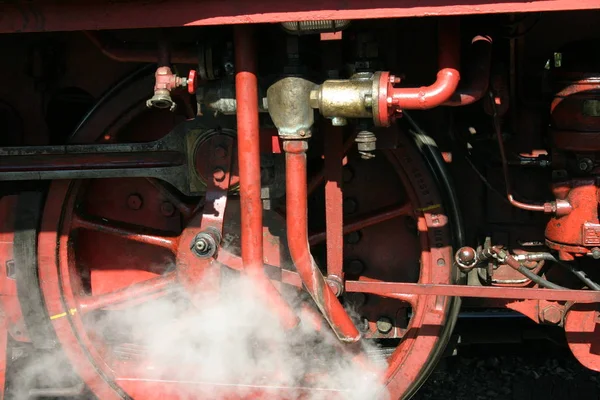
x: 353, y: 248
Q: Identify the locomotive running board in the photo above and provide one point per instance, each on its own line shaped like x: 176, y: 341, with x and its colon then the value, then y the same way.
x: 390, y: 288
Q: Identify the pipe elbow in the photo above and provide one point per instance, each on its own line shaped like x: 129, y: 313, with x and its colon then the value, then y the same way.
x: 477, y: 83
x: 427, y: 97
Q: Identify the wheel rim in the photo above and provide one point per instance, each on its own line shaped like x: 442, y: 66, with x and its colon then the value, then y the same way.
x: 63, y: 284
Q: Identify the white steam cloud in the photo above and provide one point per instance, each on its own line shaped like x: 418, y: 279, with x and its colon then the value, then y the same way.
x: 232, y: 341
x: 236, y: 338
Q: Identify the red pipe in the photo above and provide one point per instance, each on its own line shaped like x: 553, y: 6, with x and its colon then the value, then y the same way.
x: 297, y: 236
x: 249, y: 171
x: 121, y: 53
x: 477, y: 86
x: 443, y: 88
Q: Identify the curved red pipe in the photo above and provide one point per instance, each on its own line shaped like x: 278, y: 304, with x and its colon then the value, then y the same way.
x: 443, y: 88
x: 121, y: 53
x: 249, y: 171
x: 297, y: 236
x: 427, y: 97
x: 477, y: 85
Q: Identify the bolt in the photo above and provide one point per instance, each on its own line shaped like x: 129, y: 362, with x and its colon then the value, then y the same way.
x: 350, y: 205
x: 354, y: 267
x: 595, y: 253
x: 335, y: 284
x: 201, y: 245
x: 394, y: 79
x: 219, y: 174
x: 348, y: 174
x: 205, y: 244
x: 586, y: 165
x: 384, y: 325
x: 363, y: 324
x: 134, y: 201
x: 552, y: 315
x: 353, y: 237
x: 167, y: 209
x: 366, y: 144
x: 220, y: 152
x: 466, y: 257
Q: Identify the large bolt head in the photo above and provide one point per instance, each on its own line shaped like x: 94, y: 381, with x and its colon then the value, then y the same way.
x: 552, y: 315
x: 134, y: 201
x: 205, y: 245
x: 384, y: 325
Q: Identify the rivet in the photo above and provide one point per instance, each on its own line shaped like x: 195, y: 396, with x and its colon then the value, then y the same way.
x: 134, y: 201
x: 350, y: 205
x: 356, y: 299
x: 353, y: 237
x: 384, y: 325
x: 348, y: 174
x: 354, y: 267
x: 167, y: 209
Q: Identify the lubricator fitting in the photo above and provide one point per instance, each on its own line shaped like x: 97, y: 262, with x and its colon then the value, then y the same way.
x: 206, y: 243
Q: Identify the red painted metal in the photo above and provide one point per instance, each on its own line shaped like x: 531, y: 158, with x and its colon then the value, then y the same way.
x: 582, y: 328
x: 53, y: 16
x: 579, y: 230
x: 60, y: 312
x: 124, y: 231
x: 167, y: 80
x: 201, y: 275
x: 476, y: 87
x: 319, y: 177
x: 365, y: 221
x: 393, y: 100
x: 334, y: 214
x: 135, y: 293
x: 3, y: 351
x: 297, y: 231
x: 249, y: 171
x: 428, y: 311
x: 382, y: 288
x: 571, y: 129
x: 121, y: 53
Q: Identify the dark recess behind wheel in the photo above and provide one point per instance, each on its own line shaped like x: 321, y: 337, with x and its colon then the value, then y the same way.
x: 533, y: 363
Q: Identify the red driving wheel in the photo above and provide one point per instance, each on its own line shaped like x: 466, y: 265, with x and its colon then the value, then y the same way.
x: 108, y: 246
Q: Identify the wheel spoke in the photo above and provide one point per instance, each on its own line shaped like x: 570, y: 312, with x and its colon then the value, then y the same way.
x: 134, y: 294
x: 128, y: 231
x: 365, y: 221
x: 319, y: 177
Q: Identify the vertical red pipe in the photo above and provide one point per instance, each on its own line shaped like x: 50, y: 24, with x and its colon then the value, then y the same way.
x: 334, y: 218
x: 297, y: 235
x: 246, y: 87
